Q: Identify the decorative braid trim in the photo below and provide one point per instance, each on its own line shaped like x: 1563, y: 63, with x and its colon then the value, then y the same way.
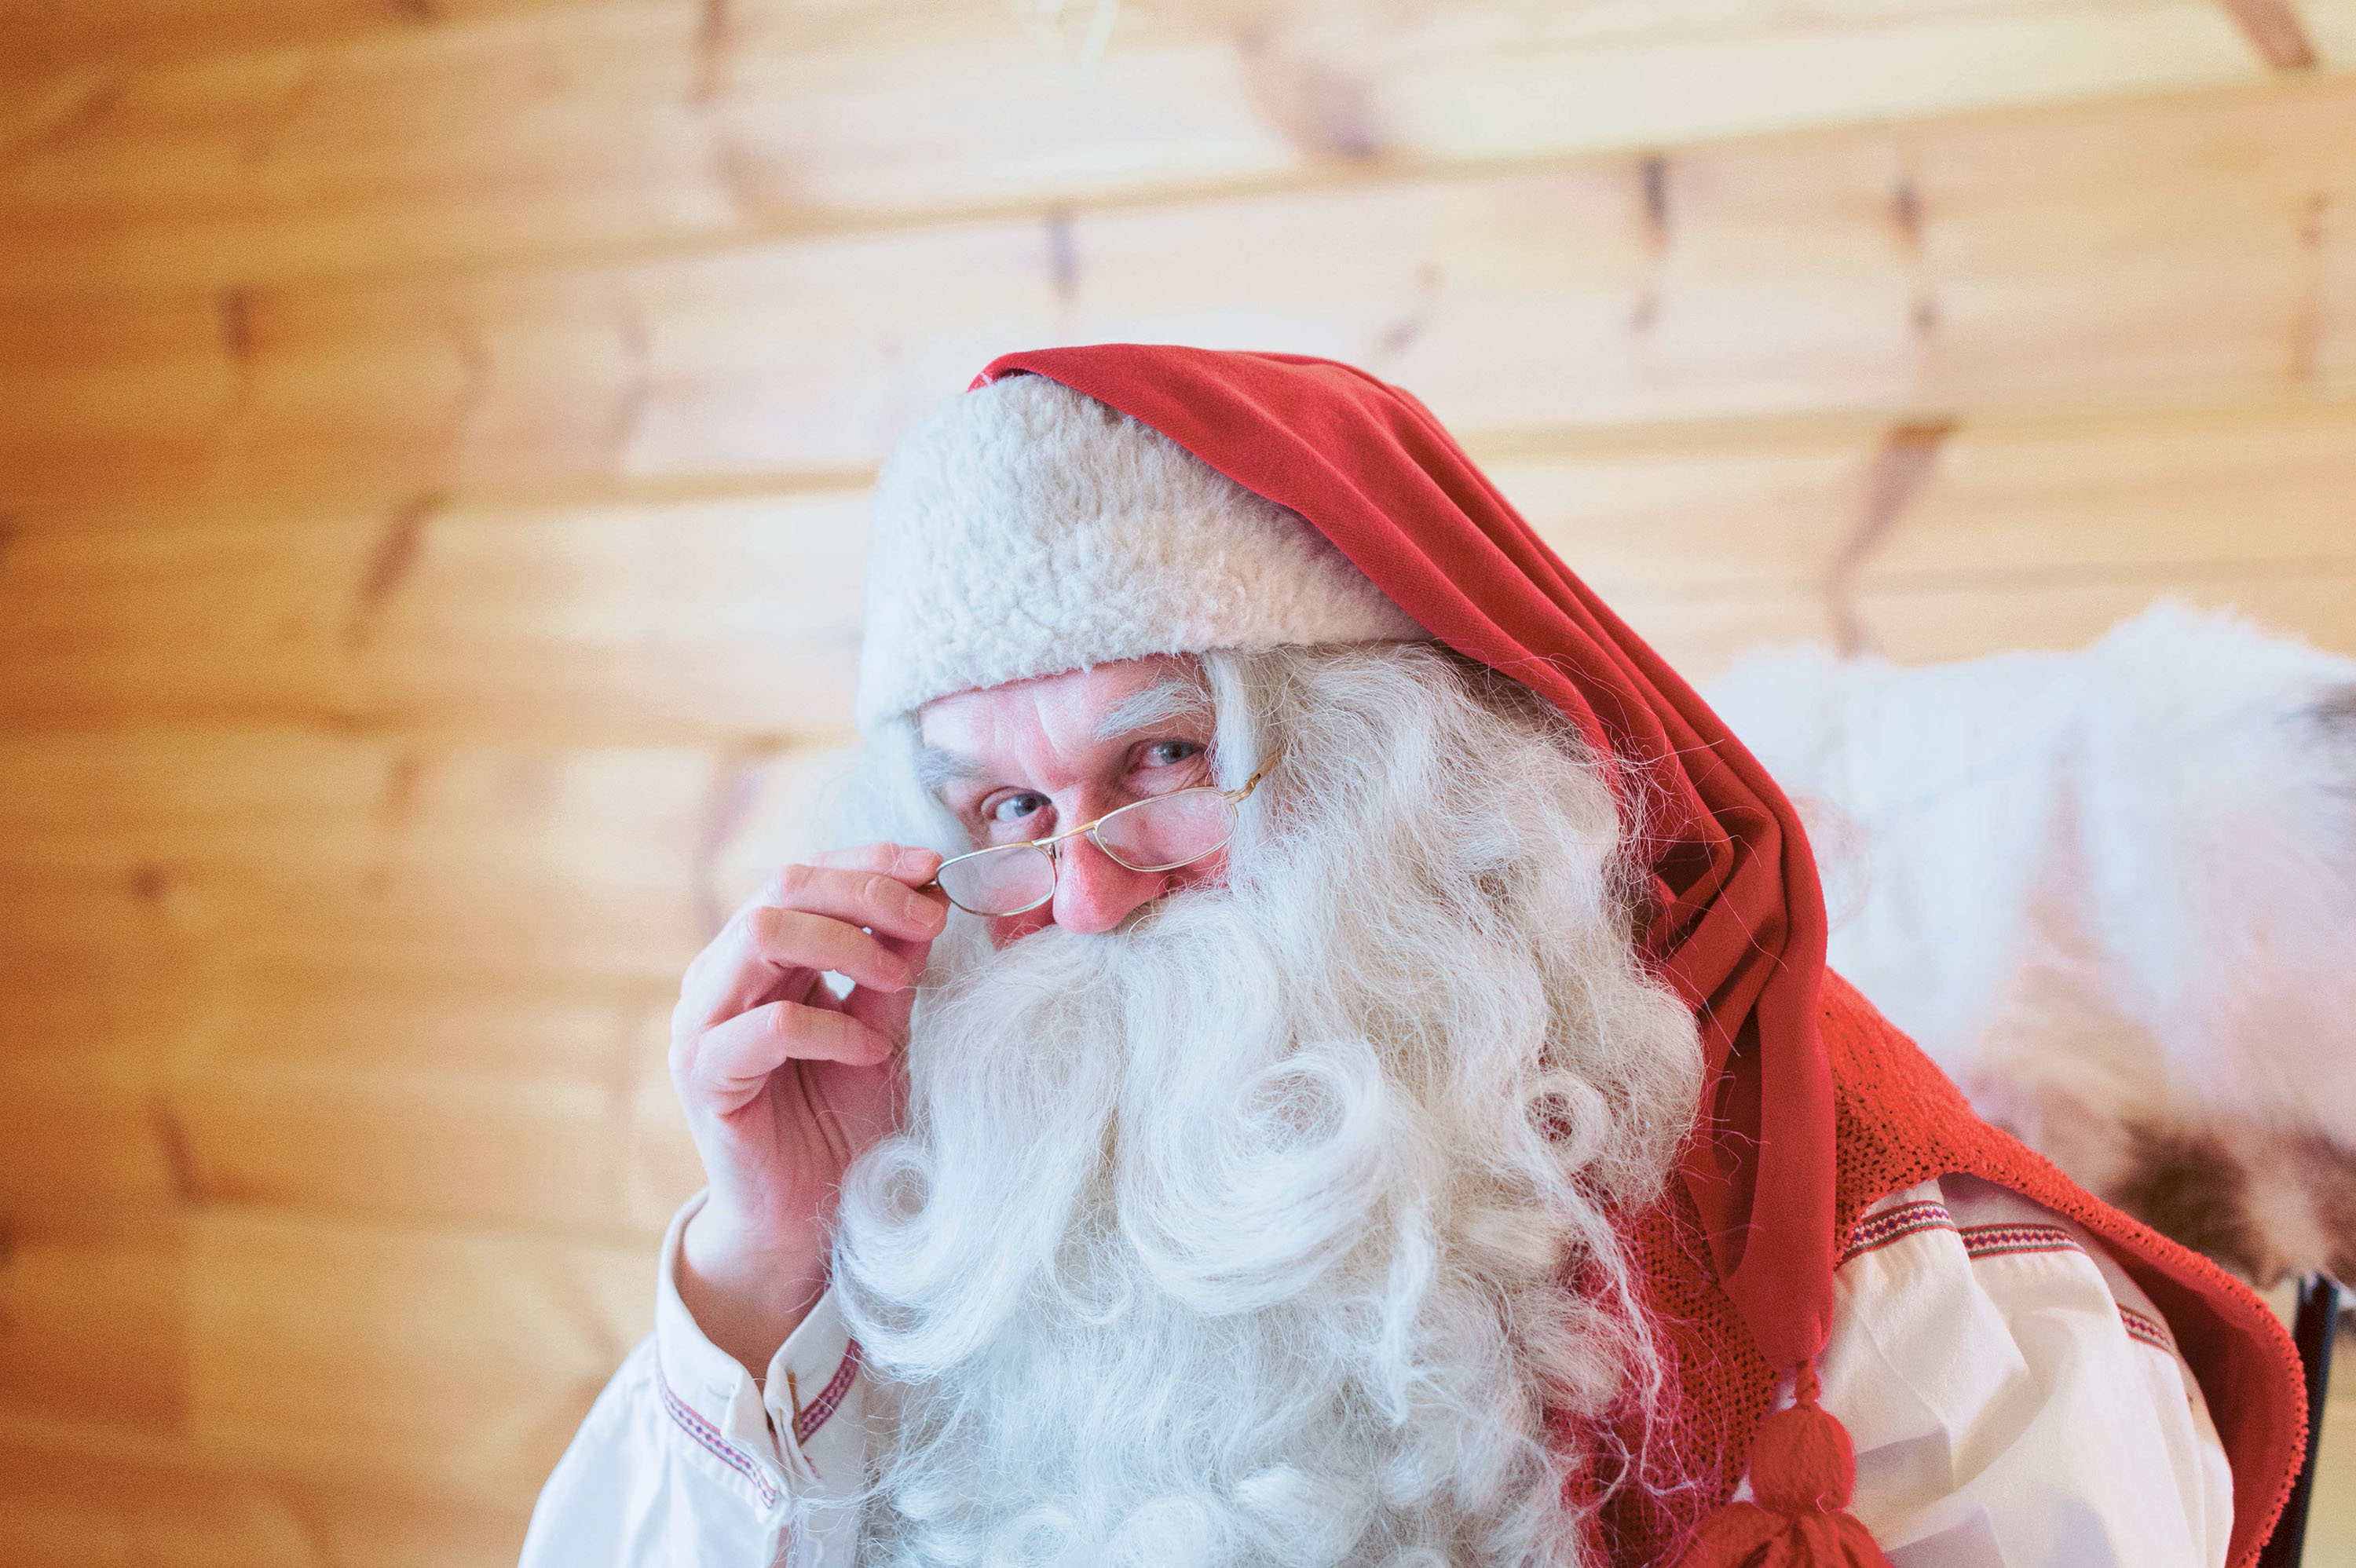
x: 2002, y: 1240
x: 813, y: 1415
x: 708, y: 1437
x: 2148, y: 1330
x: 1878, y: 1230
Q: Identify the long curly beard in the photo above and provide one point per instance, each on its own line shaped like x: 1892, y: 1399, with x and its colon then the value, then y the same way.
x: 1277, y: 1227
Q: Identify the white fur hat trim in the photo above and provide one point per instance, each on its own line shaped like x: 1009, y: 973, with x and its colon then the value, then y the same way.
x: 1025, y: 529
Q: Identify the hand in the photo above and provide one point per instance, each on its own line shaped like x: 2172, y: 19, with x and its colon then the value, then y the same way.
x: 784, y: 1083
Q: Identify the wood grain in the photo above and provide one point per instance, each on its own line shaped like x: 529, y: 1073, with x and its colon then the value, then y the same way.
x: 489, y: 1100
x: 450, y: 1360
x: 308, y: 1375
x: 128, y: 36
x: 258, y: 844
x: 1907, y: 272
x: 733, y: 623
x: 80, y: 1498
x: 64, y: 1506
x: 690, y: 620
x: 612, y: 124
x: 434, y: 437
x: 96, y: 1320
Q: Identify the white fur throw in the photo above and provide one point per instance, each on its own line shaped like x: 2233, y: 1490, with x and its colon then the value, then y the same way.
x: 1025, y: 529
x: 2113, y: 895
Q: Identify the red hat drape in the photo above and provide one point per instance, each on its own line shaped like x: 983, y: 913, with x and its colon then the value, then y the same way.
x: 1737, y: 923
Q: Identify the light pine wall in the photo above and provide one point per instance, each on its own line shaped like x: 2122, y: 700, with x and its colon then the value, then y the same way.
x: 433, y: 436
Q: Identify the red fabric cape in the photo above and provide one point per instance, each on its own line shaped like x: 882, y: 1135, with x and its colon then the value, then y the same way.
x: 1738, y: 923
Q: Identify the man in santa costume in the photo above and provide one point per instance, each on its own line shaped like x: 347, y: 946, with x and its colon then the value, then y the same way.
x: 1377, y: 1099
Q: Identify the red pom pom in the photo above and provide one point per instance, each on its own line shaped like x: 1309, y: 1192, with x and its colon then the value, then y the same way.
x: 1802, y: 1461
x: 1803, y: 1469
x: 1744, y: 1535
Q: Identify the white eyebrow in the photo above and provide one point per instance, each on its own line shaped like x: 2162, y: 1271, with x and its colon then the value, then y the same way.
x: 937, y: 768
x: 1174, y: 697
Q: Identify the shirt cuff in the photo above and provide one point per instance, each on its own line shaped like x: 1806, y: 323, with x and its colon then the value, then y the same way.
x: 784, y: 1421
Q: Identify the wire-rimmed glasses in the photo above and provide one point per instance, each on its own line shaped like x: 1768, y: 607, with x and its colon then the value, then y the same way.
x: 1159, y: 832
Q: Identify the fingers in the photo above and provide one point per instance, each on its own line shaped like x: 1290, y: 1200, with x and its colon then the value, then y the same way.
x: 788, y: 939
x: 884, y: 901
x: 903, y: 863
x: 816, y: 917
x: 727, y: 1064
x: 773, y: 954
x: 907, y: 861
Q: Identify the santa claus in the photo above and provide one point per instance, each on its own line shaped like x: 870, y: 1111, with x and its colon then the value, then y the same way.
x: 1330, y: 1061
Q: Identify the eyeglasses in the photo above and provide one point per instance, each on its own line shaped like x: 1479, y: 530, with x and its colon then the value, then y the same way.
x: 1161, y: 833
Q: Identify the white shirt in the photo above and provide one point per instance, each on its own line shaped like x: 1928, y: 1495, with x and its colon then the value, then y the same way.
x: 2015, y: 1401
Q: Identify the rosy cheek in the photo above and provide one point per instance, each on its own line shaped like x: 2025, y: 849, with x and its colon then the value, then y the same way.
x: 1007, y: 928
x: 1208, y: 873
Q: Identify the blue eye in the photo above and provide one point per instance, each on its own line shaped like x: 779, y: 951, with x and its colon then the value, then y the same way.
x: 1169, y: 753
x: 1016, y: 808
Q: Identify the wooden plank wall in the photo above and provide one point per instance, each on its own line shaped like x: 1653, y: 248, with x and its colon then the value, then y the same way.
x: 432, y: 443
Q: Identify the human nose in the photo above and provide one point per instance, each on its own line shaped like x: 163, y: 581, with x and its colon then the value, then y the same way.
x: 1095, y: 892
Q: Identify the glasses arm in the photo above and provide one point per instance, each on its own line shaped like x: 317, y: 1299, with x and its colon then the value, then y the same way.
x: 1240, y: 792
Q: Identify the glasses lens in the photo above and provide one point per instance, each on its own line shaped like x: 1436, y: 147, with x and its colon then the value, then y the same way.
x: 1000, y: 881
x: 1169, y: 831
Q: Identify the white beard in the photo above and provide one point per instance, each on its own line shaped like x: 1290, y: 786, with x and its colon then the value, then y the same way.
x: 1242, y: 1236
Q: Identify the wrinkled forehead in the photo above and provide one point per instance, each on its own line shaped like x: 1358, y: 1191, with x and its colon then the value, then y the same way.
x: 1072, y: 715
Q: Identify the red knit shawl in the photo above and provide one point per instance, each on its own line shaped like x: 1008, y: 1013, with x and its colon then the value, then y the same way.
x: 1737, y: 921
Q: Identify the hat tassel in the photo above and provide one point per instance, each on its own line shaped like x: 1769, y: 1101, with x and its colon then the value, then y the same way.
x: 1803, y: 1469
